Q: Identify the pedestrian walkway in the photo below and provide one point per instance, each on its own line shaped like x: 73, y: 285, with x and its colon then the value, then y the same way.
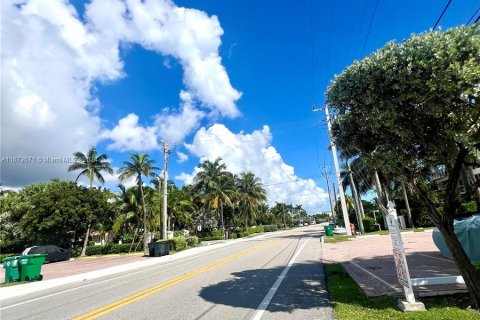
x: 369, y: 261
x: 87, y: 264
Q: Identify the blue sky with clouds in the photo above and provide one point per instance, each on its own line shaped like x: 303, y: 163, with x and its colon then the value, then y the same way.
x: 216, y: 78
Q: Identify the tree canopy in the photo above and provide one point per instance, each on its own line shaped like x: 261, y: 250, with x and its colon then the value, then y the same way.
x: 411, y: 107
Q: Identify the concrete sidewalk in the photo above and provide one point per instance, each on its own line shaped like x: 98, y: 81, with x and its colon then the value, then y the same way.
x: 369, y: 261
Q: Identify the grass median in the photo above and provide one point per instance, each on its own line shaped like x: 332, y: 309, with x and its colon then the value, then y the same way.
x: 349, y: 302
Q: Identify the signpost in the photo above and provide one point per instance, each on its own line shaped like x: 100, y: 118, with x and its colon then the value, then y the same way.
x: 401, y: 265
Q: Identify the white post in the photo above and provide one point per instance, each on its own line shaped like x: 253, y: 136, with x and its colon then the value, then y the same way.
x: 401, y: 265
x: 337, y: 174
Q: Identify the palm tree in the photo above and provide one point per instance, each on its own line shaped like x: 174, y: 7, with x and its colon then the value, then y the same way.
x: 92, y: 167
x: 140, y: 164
x: 216, y: 186
x: 251, y: 195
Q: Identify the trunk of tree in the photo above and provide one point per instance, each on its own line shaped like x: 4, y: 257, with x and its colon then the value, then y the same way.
x: 468, y: 271
x: 407, y: 204
x: 356, y: 199
x: 221, y: 218
x: 145, y: 247
x: 85, y: 241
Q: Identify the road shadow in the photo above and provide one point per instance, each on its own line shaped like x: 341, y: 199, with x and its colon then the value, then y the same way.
x: 303, y: 288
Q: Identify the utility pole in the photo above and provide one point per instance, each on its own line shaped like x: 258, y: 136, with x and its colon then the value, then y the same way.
x: 166, y: 153
x: 334, y: 204
x: 356, y: 198
x: 326, y: 174
x: 337, y: 173
x: 284, y: 220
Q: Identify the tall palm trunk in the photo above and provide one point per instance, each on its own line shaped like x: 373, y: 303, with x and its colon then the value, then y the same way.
x: 145, y: 248
x: 221, y: 218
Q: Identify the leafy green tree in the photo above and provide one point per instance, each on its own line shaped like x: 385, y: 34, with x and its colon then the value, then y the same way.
x: 140, y: 164
x: 56, y: 212
x: 92, y: 167
x: 215, y: 185
x: 411, y: 107
x: 251, y: 194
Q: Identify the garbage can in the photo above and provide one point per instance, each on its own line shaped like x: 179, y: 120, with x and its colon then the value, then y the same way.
x: 328, y: 230
x: 158, y: 249
x: 10, y: 264
x: 31, y: 266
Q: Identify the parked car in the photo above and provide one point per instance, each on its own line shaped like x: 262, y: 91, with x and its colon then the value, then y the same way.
x: 54, y: 253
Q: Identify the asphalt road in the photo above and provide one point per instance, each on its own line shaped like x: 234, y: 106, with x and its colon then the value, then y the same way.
x: 279, y: 276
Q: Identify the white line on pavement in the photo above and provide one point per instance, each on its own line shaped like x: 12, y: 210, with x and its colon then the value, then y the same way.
x: 266, y: 301
x: 376, y: 277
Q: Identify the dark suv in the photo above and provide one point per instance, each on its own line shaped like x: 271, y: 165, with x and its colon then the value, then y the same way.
x: 54, y: 253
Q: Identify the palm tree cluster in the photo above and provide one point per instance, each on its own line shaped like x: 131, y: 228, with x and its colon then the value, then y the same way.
x: 217, y: 198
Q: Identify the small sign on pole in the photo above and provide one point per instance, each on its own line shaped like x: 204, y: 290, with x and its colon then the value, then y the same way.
x: 401, y: 265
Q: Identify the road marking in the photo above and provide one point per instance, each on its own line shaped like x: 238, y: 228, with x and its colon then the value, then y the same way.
x: 266, y: 301
x: 145, y: 293
x: 166, y: 263
x: 376, y: 277
x: 429, y: 256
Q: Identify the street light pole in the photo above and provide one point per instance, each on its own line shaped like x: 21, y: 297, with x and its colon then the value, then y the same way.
x: 337, y: 173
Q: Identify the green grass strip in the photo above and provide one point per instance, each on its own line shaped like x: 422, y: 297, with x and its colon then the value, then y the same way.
x: 349, y: 302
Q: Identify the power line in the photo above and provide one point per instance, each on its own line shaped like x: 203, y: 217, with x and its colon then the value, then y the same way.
x: 473, y: 16
x: 478, y: 18
x: 441, y: 16
x: 370, y: 27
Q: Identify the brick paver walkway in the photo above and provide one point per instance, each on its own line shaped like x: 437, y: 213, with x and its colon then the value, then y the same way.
x: 69, y: 268
x: 369, y: 261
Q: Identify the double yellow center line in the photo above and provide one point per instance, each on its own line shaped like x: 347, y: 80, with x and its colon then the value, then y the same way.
x: 145, y: 293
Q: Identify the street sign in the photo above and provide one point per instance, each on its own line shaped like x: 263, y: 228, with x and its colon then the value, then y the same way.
x: 401, y: 265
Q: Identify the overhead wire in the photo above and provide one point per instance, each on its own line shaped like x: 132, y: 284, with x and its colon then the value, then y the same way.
x: 473, y: 16
x: 441, y: 15
x: 369, y: 27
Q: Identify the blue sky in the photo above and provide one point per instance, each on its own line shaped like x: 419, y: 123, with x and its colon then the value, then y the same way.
x: 280, y: 55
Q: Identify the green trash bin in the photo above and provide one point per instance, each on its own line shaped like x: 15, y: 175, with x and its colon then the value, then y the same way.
x: 31, y: 266
x: 328, y: 230
x: 10, y: 264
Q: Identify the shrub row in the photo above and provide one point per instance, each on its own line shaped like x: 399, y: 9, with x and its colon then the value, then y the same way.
x: 213, y: 235
x: 259, y: 229
x: 368, y: 224
x: 270, y: 228
x: 113, y: 248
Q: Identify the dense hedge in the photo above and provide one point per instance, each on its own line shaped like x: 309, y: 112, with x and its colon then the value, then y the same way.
x: 270, y: 228
x: 113, y: 248
x: 212, y: 235
x: 259, y: 229
x: 179, y: 243
x: 368, y: 224
x: 192, y: 241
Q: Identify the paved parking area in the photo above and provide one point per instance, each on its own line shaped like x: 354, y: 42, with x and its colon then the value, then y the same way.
x: 369, y: 261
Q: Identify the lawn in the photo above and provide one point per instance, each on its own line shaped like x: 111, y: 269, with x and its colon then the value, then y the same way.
x: 334, y: 239
x: 349, y: 302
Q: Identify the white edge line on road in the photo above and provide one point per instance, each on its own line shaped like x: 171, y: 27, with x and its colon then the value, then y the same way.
x: 376, y: 277
x: 266, y: 301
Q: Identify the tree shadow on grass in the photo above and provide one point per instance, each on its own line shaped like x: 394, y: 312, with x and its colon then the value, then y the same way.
x: 302, y: 288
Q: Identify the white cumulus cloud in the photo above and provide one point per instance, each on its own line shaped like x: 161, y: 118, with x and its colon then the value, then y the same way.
x: 51, y: 59
x: 254, y: 152
x: 182, y: 157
